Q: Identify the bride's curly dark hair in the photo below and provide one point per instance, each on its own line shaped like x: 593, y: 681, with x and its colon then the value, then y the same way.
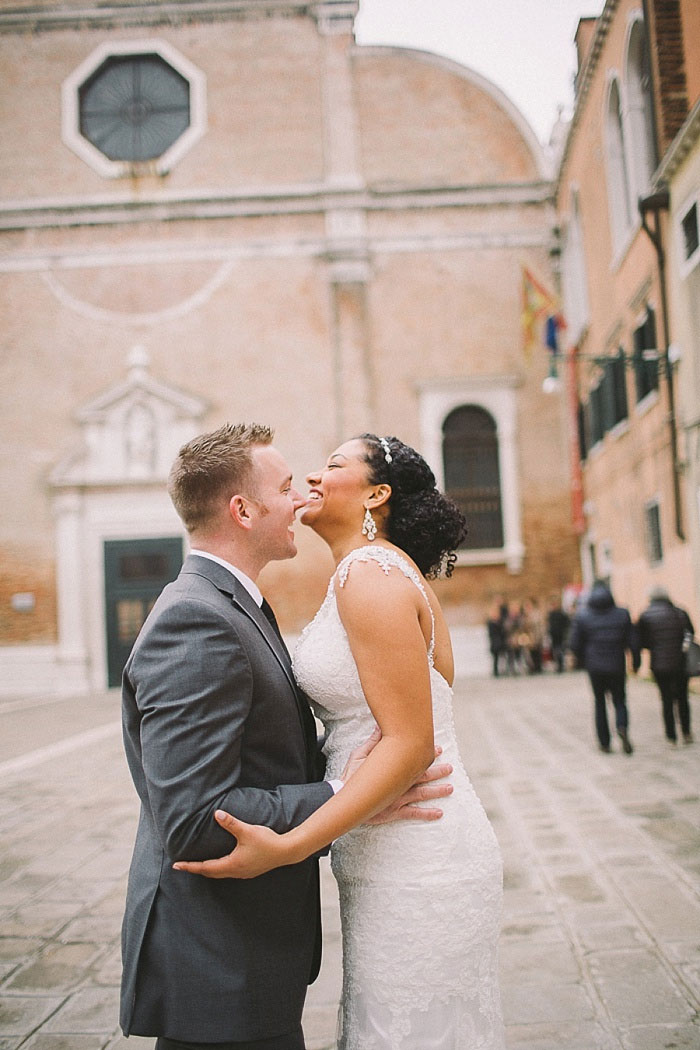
x: 422, y: 521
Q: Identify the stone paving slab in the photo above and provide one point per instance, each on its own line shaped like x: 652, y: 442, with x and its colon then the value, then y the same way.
x: 600, y: 945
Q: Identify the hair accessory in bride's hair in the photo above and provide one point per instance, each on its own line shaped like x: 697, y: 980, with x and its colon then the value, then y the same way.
x: 385, y: 445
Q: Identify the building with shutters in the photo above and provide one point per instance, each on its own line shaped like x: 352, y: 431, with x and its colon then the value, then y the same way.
x: 679, y: 174
x: 628, y: 391
x: 227, y: 210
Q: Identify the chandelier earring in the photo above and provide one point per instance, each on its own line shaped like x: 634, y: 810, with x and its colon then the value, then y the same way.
x: 369, y: 526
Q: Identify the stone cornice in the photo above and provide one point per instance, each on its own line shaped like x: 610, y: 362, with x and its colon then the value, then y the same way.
x: 584, y: 81
x: 122, y: 210
x: 342, y: 255
x: 687, y: 137
x: 36, y: 17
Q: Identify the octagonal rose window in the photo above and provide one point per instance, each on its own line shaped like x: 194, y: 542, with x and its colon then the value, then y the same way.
x: 133, y: 106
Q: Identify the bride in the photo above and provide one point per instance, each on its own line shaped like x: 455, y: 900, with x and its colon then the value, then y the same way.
x: 420, y: 902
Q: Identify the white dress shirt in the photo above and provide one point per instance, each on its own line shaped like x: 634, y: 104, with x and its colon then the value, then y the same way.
x: 250, y: 585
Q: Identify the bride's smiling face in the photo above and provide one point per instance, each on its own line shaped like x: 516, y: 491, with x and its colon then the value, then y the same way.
x: 338, y: 493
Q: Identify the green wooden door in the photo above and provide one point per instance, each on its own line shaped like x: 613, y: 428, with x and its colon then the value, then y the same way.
x: 136, y: 571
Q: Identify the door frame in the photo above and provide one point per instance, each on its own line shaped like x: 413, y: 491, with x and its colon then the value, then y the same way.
x: 85, y: 518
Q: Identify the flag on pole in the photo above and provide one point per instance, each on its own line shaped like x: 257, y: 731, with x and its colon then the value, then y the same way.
x: 538, y: 303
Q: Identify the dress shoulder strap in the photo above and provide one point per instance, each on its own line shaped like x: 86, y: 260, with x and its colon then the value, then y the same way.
x: 387, y: 559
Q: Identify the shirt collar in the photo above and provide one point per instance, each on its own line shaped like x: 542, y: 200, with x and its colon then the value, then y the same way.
x: 250, y: 585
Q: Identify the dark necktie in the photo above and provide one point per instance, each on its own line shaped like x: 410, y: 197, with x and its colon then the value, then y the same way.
x: 267, y: 610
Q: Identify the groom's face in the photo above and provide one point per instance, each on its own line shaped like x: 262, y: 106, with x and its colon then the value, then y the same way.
x: 275, y: 503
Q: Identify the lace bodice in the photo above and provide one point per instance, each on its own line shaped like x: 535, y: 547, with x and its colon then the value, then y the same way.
x: 420, y: 901
x: 326, y: 670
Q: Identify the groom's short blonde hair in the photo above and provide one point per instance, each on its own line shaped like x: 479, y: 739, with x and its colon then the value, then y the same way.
x: 212, y: 468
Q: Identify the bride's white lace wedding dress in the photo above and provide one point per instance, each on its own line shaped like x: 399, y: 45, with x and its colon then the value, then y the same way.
x: 420, y: 901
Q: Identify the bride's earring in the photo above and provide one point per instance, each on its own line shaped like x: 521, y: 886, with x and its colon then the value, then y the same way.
x: 369, y: 527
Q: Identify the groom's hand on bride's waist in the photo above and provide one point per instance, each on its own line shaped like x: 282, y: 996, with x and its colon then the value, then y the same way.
x: 429, y: 787
x: 432, y: 785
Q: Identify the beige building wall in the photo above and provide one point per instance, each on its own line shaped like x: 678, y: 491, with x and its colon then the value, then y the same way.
x: 347, y: 232
x: 631, y: 466
x: 690, y: 18
x: 681, y: 171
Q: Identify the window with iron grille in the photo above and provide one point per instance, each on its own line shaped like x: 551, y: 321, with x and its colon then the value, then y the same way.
x: 595, y: 407
x: 134, y: 107
x: 616, y: 385
x: 646, y: 366
x: 582, y: 431
x: 691, y: 236
x: 652, y: 520
x: 472, y: 474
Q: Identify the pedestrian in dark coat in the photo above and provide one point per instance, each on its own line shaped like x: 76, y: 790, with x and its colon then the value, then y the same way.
x: 497, y: 634
x: 601, y: 635
x: 663, y: 629
x: 558, y: 623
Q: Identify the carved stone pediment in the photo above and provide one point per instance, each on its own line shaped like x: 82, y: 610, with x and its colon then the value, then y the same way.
x: 131, y: 432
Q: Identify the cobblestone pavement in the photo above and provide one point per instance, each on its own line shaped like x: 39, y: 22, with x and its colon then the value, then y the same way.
x: 600, y: 947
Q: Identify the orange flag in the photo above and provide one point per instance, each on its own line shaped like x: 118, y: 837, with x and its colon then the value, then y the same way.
x: 537, y: 303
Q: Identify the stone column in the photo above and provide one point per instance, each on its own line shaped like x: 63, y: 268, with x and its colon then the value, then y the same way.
x: 510, y: 488
x: 340, y: 133
x: 72, y: 657
x: 352, y: 364
x: 346, y: 235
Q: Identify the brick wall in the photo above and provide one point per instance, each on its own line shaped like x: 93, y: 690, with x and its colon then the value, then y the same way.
x: 25, y: 575
x: 669, y: 68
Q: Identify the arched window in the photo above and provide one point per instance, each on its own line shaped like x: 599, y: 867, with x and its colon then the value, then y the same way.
x: 640, y: 113
x: 472, y: 474
x: 618, y: 175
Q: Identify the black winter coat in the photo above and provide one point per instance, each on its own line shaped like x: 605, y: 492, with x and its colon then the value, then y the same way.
x: 601, y: 633
x: 661, y: 629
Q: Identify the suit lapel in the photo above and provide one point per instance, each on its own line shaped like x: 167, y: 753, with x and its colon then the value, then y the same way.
x: 246, y: 605
x: 241, y: 600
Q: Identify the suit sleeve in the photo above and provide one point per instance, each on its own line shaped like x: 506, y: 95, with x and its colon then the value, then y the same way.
x: 193, y: 684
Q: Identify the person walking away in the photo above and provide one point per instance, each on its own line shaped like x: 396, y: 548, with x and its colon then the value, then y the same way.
x: 663, y: 628
x: 512, y: 626
x: 601, y: 635
x: 558, y: 623
x: 495, y: 625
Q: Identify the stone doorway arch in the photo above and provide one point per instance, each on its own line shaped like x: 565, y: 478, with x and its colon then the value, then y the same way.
x: 112, y: 488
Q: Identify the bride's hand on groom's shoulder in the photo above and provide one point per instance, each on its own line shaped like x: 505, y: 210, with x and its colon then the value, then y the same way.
x: 258, y: 849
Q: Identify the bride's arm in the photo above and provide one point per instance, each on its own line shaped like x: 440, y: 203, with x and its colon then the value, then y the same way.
x: 381, y: 615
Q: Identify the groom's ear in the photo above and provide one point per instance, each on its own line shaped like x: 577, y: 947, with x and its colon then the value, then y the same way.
x: 379, y: 496
x: 239, y: 509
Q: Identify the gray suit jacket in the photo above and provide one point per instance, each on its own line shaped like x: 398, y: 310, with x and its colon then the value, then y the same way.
x: 213, y: 720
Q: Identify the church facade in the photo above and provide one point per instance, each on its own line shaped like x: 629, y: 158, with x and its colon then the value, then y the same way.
x: 228, y: 210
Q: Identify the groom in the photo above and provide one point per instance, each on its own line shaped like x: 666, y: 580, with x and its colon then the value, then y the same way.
x: 213, y: 720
